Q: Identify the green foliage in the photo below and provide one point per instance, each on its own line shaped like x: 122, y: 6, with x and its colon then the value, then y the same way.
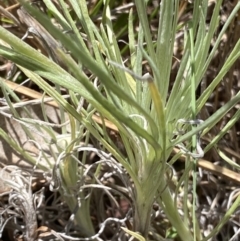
x: 145, y: 109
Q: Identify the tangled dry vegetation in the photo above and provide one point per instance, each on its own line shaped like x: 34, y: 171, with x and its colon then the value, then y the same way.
x: 33, y: 200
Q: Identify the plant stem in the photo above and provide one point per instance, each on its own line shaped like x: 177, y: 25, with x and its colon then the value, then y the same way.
x: 167, y: 203
x: 82, y: 215
x: 142, y: 212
